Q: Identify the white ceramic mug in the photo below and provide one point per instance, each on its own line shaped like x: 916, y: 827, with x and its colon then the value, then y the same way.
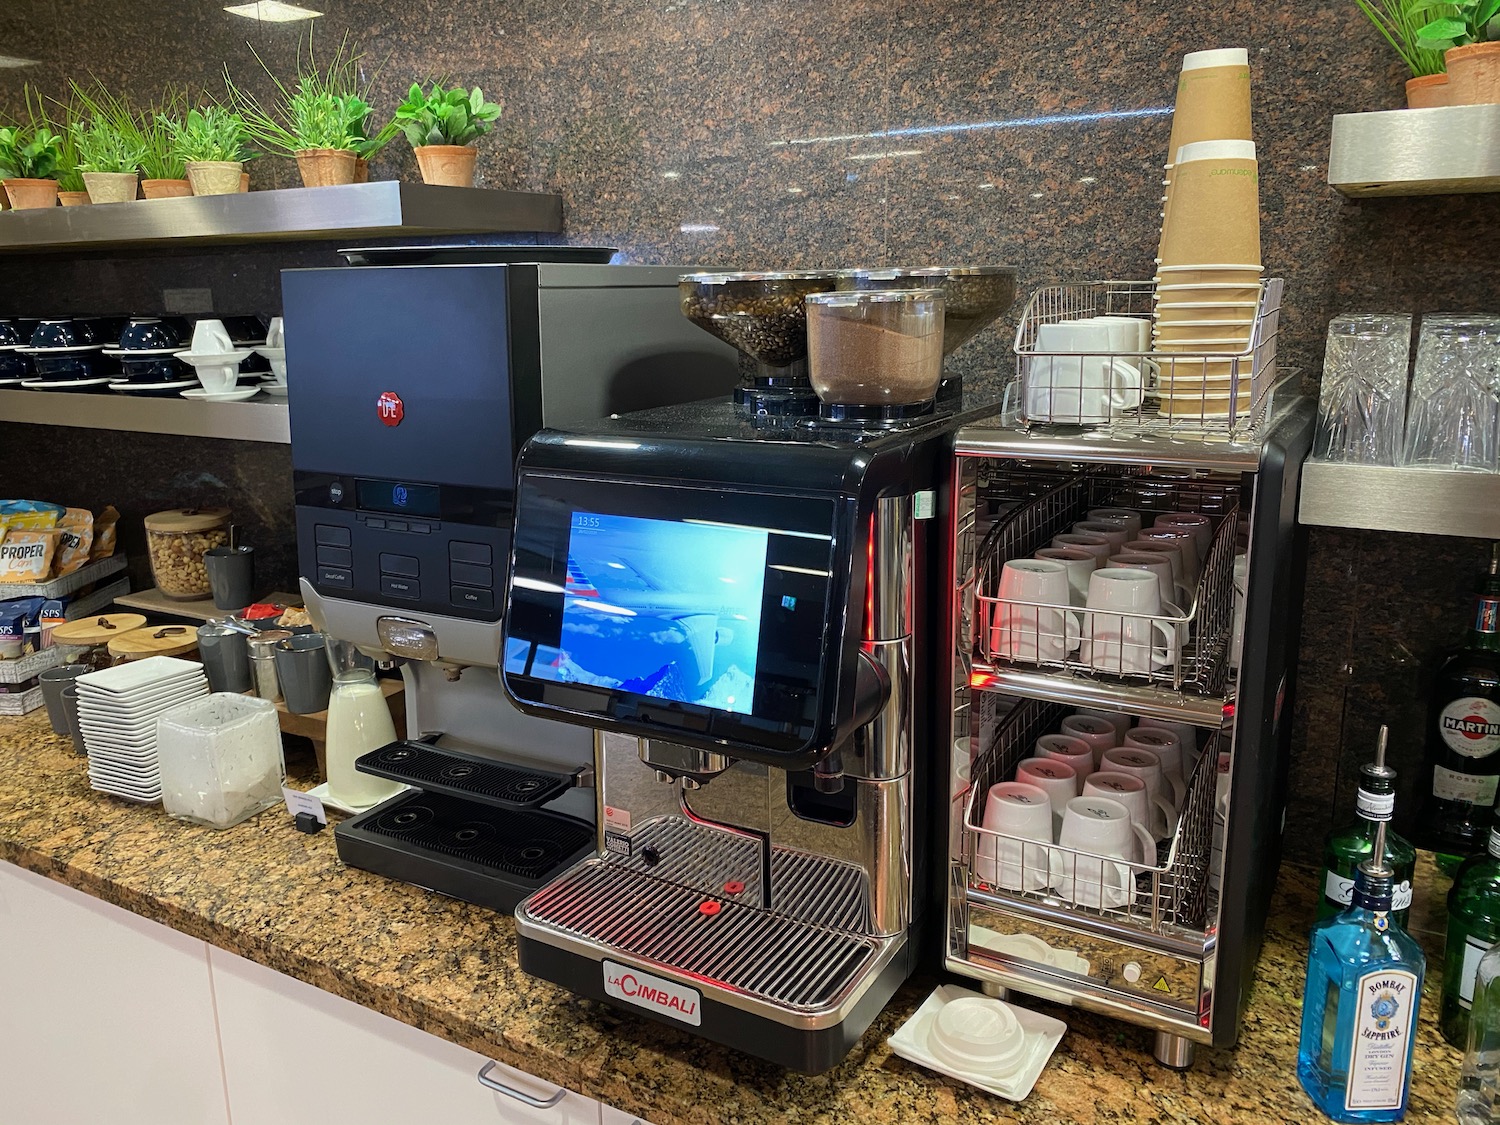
x: 1024, y: 813
x: 1065, y: 748
x: 1172, y: 550
x: 1032, y: 633
x: 1187, y: 735
x: 1200, y: 525
x: 1192, y: 565
x: 1131, y: 792
x: 1146, y: 766
x: 1116, y: 643
x: 1099, y: 826
x: 1054, y: 777
x: 1117, y: 719
x: 1115, y: 534
x: 1168, y: 748
x: 1241, y: 590
x: 1096, y: 545
x: 210, y: 337
x: 1158, y: 564
x: 1080, y: 564
x: 1080, y: 379
x: 218, y: 378
x: 1128, y: 334
x: 1100, y: 734
x: 1126, y: 518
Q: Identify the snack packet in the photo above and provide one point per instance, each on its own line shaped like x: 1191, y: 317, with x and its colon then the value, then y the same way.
x: 20, y: 626
x: 26, y: 556
x: 77, y: 527
x: 104, y: 534
x: 53, y: 613
x: 29, y: 515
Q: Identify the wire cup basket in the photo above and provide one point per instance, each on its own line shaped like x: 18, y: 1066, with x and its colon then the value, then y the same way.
x: 1211, y: 391
x: 1109, y: 644
x: 1170, y: 890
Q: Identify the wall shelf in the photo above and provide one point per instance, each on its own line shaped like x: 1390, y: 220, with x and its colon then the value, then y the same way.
x: 383, y: 209
x: 1418, y: 501
x: 1445, y: 150
x: 260, y: 419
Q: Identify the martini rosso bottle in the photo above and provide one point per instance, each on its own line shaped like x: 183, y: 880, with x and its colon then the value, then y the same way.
x: 1463, y: 734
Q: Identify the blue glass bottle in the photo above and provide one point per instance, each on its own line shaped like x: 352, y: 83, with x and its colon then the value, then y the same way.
x: 1360, y: 1001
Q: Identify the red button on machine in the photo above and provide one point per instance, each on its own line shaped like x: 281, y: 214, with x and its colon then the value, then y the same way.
x: 709, y: 909
x: 734, y: 887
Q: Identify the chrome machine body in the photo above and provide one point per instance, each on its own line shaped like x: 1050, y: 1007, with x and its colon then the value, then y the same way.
x: 412, y: 388
x: 741, y: 611
x: 1178, y: 956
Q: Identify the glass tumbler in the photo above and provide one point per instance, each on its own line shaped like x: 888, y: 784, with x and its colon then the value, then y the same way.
x: 1454, y: 418
x: 1362, y: 406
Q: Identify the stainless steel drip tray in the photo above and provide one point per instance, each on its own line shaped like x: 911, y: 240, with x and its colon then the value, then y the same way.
x: 799, y: 974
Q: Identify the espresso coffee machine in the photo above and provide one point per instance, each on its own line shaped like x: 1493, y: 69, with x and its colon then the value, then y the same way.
x: 412, y: 387
x: 740, y: 610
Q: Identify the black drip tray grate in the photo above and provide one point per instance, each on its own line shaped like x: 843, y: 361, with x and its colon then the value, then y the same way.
x: 527, y: 845
x: 464, y: 775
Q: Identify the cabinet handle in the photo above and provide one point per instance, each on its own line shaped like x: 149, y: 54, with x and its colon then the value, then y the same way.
x: 509, y: 1091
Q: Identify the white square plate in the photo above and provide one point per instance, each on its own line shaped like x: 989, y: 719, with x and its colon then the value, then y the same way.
x: 1043, y: 1033
x: 137, y: 703
x: 124, y: 678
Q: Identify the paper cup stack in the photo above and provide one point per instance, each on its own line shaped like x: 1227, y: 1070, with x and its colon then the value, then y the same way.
x: 1209, y: 272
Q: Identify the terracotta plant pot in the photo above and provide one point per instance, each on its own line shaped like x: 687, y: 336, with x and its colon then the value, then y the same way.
x: 244, y: 182
x: 449, y: 165
x: 215, y: 177
x: 1427, y: 91
x: 165, y: 189
x: 27, y: 195
x: 326, y: 167
x: 1473, y: 74
x: 361, y: 170
x: 74, y: 198
x: 111, y: 187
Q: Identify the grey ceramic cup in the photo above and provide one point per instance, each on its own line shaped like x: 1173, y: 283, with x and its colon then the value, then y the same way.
x: 302, y: 668
x: 70, y: 707
x: 231, y: 576
x: 53, y: 680
x: 225, y: 653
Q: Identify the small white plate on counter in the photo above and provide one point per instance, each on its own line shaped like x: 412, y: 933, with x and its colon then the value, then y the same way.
x: 143, y: 353
x: 71, y: 349
x: 150, y: 388
x: 239, y: 394
x: 912, y: 1041
x: 321, y: 793
x: 64, y: 384
x: 277, y: 389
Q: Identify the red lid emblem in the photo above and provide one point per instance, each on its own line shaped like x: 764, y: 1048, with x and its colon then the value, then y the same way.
x: 390, y: 408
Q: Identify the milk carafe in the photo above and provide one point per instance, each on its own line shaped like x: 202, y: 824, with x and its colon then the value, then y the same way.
x: 359, y: 721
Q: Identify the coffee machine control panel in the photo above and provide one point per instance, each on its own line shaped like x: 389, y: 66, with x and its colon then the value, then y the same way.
x: 409, y: 545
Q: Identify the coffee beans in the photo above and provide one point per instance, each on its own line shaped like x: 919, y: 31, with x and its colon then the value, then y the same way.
x: 760, y: 314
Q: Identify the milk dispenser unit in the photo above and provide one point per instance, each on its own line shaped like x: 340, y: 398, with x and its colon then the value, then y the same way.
x: 412, y: 388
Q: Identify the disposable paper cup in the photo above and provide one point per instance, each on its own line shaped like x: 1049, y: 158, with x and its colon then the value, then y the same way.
x: 1173, y: 313
x: 1214, y: 150
x: 1205, y: 406
x: 1213, y: 215
x: 1244, y: 293
x: 1220, y: 56
x: 1213, y: 103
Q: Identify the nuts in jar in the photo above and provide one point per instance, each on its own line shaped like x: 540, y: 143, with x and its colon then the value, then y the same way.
x: 177, y: 541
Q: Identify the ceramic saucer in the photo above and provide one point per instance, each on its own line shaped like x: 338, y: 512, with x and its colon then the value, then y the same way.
x: 321, y: 793
x: 12, y: 382
x: 142, y: 353
x: 236, y: 356
x: 239, y: 394
x: 151, y: 388
x: 74, y: 349
x: 277, y: 389
x: 64, y: 384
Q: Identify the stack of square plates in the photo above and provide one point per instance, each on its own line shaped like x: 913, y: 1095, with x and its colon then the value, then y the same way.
x: 117, y: 711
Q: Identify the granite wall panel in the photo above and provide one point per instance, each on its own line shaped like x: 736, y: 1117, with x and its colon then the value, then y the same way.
x: 867, y: 132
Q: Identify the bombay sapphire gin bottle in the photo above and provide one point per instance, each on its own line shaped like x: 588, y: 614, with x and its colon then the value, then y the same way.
x: 1359, y: 1006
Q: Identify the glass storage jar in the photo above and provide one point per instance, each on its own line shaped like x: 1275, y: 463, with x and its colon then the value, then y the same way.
x: 177, y: 541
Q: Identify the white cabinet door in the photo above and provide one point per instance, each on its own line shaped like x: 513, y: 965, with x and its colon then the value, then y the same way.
x: 104, y: 1016
x: 296, y: 1055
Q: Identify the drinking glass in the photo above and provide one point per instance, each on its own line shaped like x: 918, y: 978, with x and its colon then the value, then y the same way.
x: 1362, y: 406
x: 1454, y: 421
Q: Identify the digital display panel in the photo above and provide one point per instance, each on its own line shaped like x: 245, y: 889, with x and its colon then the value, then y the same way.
x: 397, y: 498
x: 660, y: 608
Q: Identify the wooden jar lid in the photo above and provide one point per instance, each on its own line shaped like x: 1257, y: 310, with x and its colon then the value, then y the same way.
x: 184, y: 520
x: 97, y: 630
x: 165, y: 640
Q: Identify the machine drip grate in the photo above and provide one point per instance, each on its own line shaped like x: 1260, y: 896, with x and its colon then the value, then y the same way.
x: 528, y: 845
x: 463, y: 775
x: 755, y: 953
x: 808, y: 887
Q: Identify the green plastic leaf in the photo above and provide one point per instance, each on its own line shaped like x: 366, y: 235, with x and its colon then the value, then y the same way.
x: 1485, y: 12
x: 476, y: 98
x: 1441, y: 32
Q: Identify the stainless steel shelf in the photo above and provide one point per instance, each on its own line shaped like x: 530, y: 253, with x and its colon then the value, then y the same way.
x: 1138, y: 699
x: 1419, y: 501
x: 367, y: 210
x: 258, y: 419
x: 1445, y: 150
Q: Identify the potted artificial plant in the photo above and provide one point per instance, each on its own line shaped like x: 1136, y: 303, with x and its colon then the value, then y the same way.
x: 106, y: 133
x: 162, y: 173
x: 210, y: 142
x: 71, y: 191
x: 1468, y: 39
x: 28, y: 165
x: 1401, y: 22
x: 442, y: 126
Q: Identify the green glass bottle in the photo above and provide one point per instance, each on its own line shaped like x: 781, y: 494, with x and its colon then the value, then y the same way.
x: 1348, y: 847
x: 1473, y: 926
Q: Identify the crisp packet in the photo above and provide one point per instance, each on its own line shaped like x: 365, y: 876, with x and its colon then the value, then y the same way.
x: 26, y: 556
x: 29, y: 515
x: 105, y: 527
x: 19, y: 626
x: 53, y: 613
x: 77, y: 527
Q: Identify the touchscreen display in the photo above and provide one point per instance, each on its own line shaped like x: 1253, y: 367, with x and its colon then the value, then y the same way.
x: 398, y: 498
x: 661, y: 608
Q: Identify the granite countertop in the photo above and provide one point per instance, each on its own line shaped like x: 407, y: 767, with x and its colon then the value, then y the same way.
x: 269, y: 893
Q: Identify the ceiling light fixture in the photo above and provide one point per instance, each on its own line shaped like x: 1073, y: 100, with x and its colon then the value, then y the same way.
x: 272, y: 11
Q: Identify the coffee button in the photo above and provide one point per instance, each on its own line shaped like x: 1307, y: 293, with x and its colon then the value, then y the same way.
x: 468, y: 598
x: 333, y: 576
